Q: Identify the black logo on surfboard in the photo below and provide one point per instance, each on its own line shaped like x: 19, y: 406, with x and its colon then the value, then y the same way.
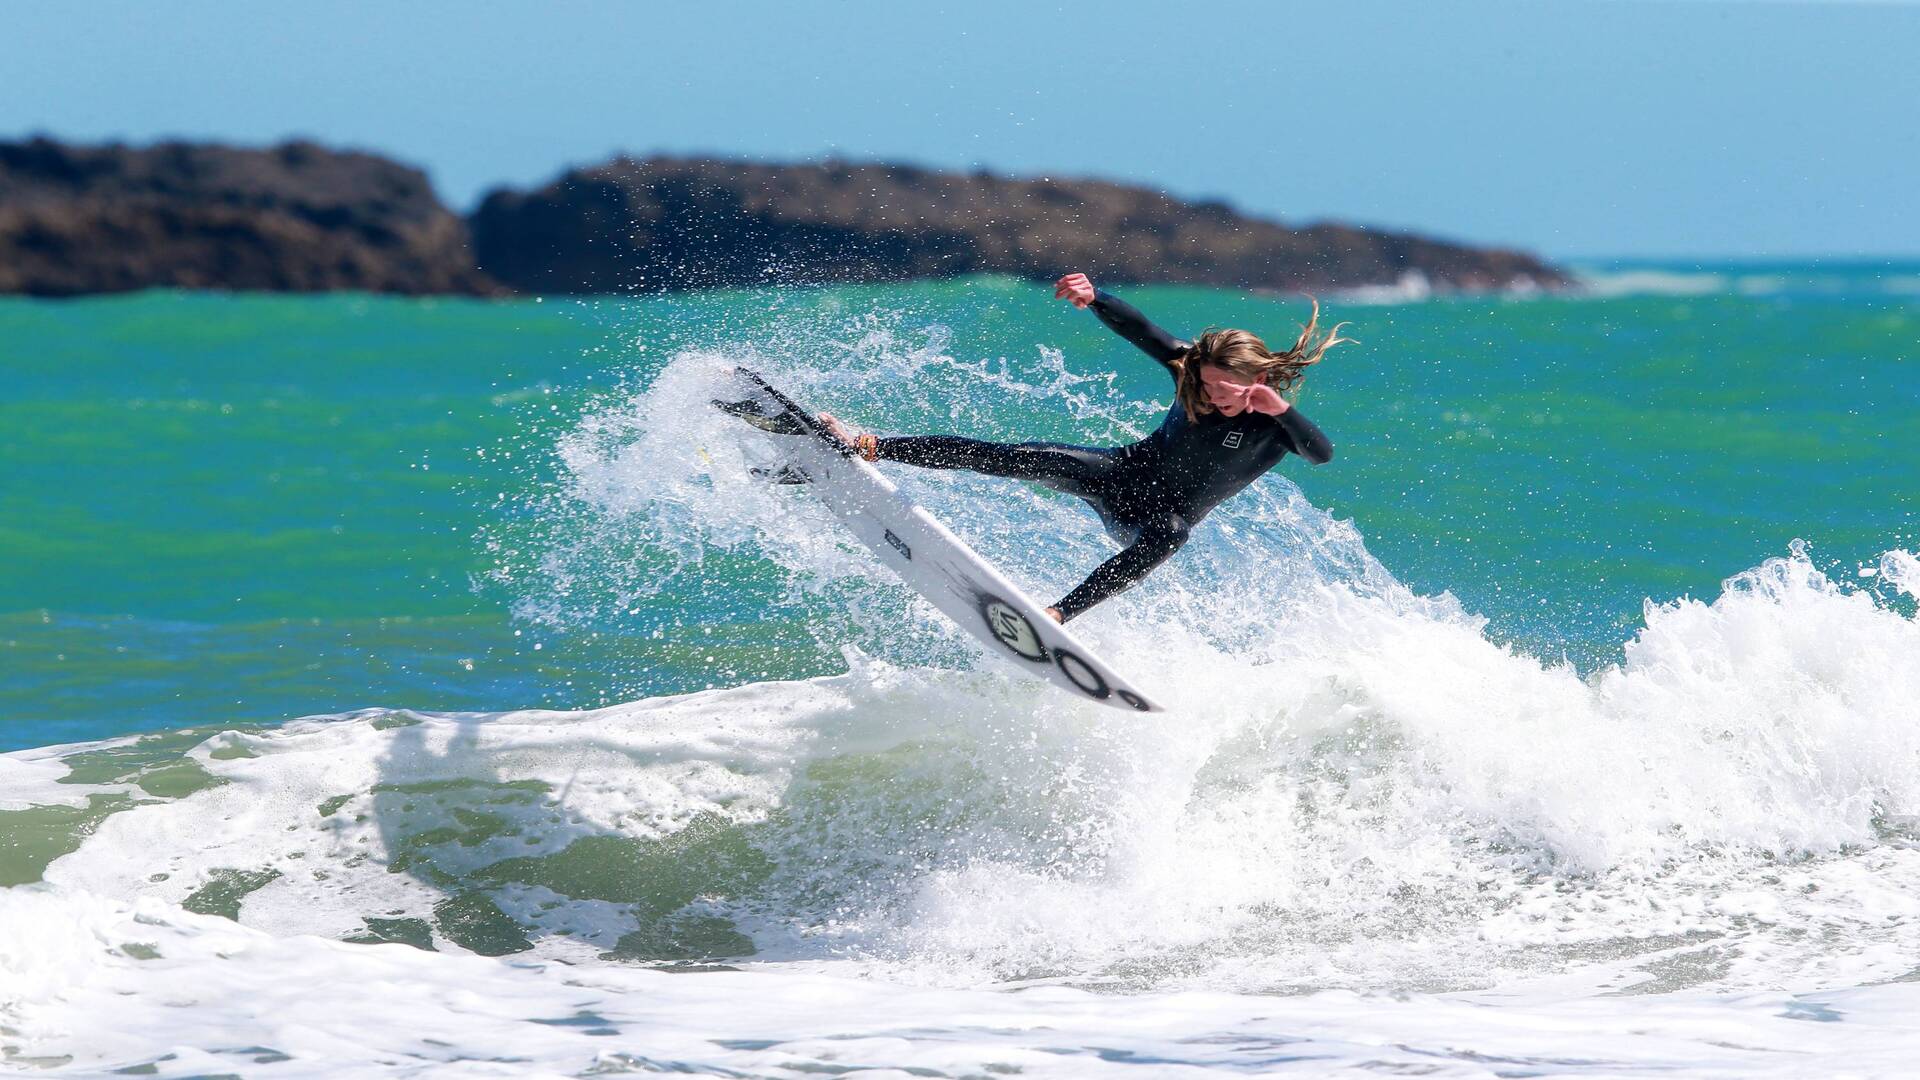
x: 900, y: 546
x: 1081, y: 674
x: 1010, y: 628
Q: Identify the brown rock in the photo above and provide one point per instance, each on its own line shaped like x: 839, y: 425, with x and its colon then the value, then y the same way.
x: 668, y: 223
x: 302, y: 218
x: 295, y: 218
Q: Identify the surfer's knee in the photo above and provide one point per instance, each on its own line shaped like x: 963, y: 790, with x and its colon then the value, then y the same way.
x: 1163, y: 538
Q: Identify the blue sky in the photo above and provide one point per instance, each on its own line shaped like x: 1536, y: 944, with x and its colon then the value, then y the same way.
x: 1637, y: 127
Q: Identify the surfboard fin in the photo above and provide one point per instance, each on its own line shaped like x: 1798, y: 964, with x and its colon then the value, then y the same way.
x: 785, y: 474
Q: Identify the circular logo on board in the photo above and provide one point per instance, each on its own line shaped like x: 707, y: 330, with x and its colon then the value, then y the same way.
x: 1082, y: 675
x: 1010, y: 628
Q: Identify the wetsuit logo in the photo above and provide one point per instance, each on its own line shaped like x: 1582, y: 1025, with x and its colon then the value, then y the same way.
x: 1232, y: 441
x: 1010, y: 628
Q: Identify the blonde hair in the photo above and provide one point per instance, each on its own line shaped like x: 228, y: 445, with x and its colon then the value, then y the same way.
x: 1247, y: 357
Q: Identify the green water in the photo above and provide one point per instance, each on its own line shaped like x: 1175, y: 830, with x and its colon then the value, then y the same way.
x: 230, y: 510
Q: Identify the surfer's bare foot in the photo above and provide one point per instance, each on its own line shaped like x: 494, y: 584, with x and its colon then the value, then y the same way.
x: 1054, y: 612
x: 840, y: 430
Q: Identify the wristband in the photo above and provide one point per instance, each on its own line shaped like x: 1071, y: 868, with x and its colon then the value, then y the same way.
x: 868, y: 446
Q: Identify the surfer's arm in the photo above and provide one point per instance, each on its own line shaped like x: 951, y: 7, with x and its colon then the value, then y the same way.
x: 1124, y: 319
x: 1308, y: 440
x: 1124, y: 571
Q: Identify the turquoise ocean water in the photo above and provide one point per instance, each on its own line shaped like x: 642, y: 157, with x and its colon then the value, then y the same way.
x: 426, y: 687
x: 223, y: 510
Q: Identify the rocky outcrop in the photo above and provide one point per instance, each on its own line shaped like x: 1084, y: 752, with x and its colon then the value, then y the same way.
x: 669, y: 223
x: 303, y: 218
x: 294, y: 218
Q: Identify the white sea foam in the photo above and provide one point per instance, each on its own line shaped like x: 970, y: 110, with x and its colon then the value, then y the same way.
x: 1809, y: 280
x: 1608, y: 284
x: 32, y: 778
x: 109, y: 985
x: 1410, y: 288
x: 1723, y: 821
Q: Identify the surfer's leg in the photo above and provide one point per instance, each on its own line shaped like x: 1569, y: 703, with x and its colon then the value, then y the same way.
x: 1077, y: 470
x: 1157, y: 540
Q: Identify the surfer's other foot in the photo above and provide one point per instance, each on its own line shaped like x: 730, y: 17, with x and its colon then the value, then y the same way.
x: 1054, y: 614
x: 840, y: 429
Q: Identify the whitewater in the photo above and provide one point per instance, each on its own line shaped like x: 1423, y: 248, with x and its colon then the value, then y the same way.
x: 1368, y: 834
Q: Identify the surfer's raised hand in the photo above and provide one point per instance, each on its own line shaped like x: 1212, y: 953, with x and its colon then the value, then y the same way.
x: 1262, y: 398
x: 1233, y: 398
x: 1075, y: 288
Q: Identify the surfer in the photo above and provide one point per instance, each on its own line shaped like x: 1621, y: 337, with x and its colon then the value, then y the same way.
x: 1229, y: 423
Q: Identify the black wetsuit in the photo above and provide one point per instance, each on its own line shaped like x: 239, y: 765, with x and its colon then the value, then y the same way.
x: 1150, y: 493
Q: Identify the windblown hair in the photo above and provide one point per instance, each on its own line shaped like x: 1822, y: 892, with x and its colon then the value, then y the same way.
x: 1248, y: 358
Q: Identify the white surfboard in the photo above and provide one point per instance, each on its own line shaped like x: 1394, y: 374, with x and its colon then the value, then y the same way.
x: 925, y: 553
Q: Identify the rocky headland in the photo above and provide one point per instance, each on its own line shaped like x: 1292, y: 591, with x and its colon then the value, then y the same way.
x: 302, y: 218
x: 295, y: 218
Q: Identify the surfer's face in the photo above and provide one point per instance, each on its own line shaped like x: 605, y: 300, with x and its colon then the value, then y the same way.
x: 1225, y: 390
